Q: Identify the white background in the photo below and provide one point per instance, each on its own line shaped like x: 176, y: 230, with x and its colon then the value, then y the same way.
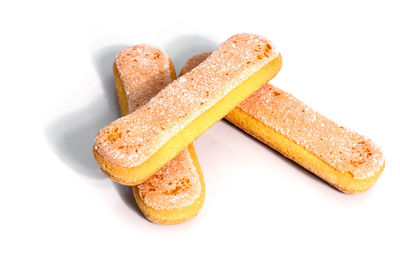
x: 57, y: 208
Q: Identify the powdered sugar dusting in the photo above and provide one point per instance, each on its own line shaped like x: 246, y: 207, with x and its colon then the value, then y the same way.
x: 144, y: 71
x: 140, y: 134
x: 176, y: 185
x: 193, y: 62
x: 341, y: 148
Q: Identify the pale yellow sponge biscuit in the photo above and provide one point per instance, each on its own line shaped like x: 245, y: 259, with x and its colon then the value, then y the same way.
x: 135, y: 146
x: 175, y: 193
x: 343, y: 158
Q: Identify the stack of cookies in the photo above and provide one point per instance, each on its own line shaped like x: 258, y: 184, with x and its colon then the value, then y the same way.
x: 150, y: 147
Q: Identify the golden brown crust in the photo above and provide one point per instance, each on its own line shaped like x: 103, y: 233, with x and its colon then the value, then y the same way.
x: 175, y: 193
x: 175, y: 185
x: 343, y: 181
x: 174, y: 215
x: 341, y: 148
x: 143, y: 70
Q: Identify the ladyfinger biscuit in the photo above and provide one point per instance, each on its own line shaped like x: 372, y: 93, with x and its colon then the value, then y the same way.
x: 135, y: 146
x: 175, y: 193
x: 343, y: 158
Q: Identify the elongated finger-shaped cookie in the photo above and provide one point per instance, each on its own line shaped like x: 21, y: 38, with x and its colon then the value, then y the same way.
x: 175, y: 193
x: 343, y: 158
x: 135, y: 146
